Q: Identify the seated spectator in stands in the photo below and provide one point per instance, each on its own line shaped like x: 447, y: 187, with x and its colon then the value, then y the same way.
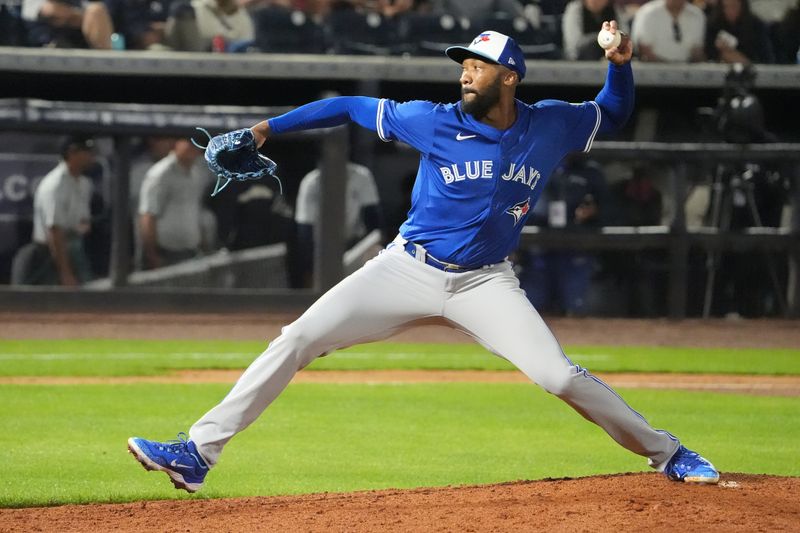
x: 68, y: 23
x: 735, y: 35
x: 630, y: 7
x: 669, y: 30
x: 150, y: 25
x: 771, y: 11
x: 170, y: 207
x: 224, y: 19
x: 61, y: 218
x: 787, y: 37
x: 478, y: 9
x: 637, y: 200
x: 579, y: 27
x: 559, y: 280
x: 12, y: 28
x: 706, y: 6
x: 362, y: 212
x: 639, y: 277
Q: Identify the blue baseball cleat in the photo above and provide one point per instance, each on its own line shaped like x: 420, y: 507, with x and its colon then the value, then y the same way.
x: 690, y: 467
x: 178, y: 458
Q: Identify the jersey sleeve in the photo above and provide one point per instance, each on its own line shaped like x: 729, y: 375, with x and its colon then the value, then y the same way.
x: 580, y: 122
x: 410, y: 122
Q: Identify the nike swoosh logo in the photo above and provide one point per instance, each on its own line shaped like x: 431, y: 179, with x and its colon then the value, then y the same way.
x: 460, y: 137
x: 175, y: 464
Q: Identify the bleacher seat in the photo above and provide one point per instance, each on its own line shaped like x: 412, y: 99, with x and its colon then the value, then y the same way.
x: 351, y: 32
x: 428, y: 35
x: 280, y: 30
x: 536, y: 43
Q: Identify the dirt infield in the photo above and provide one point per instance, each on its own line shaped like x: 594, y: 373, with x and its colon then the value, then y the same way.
x: 757, y: 385
x: 576, y: 331
x: 631, y: 502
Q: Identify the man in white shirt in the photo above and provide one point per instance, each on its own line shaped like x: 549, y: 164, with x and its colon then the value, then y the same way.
x: 223, y: 18
x: 170, y: 207
x: 362, y: 212
x: 669, y: 31
x: 61, y: 218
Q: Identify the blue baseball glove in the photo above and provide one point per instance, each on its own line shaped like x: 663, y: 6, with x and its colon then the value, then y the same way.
x: 234, y: 156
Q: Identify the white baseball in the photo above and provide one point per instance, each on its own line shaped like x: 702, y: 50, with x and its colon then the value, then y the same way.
x: 607, y: 40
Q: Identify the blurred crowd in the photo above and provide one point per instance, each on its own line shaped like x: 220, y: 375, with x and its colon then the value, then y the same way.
x: 727, y: 31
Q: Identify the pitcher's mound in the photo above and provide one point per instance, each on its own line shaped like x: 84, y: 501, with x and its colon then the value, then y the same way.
x: 628, y: 502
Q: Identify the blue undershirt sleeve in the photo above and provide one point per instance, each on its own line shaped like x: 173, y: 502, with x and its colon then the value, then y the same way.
x: 327, y: 113
x: 616, y: 98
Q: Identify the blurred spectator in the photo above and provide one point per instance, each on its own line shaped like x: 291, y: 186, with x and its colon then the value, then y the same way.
x: 637, y: 200
x: 639, y: 278
x: 362, y: 212
x: 170, y: 207
x: 706, y: 6
x: 770, y: 11
x: 152, y: 150
x: 735, y: 35
x: 251, y: 214
x: 223, y: 19
x: 392, y: 8
x: 580, y: 24
x: 12, y: 29
x: 787, y: 37
x: 68, y: 23
x: 558, y: 281
x: 152, y: 24
x: 318, y: 10
x: 630, y: 7
x: 669, y: 30
x: 61, y: 218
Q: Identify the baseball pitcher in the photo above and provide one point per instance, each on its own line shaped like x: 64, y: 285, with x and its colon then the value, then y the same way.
x: 483, y: 164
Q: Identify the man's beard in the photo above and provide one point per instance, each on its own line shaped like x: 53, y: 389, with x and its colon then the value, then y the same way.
x: 480, y: 105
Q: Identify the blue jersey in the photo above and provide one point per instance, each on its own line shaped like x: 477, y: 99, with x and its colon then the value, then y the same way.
x: 476, y: 184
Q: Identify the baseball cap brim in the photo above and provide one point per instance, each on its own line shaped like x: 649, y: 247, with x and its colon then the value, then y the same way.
x: 460, y: 53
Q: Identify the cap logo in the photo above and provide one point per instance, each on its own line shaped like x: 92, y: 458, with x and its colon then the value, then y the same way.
x: 511, y: 61
x: 483, y: 37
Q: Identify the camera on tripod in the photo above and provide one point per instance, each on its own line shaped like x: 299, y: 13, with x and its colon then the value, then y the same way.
x: 739, y: 115
x: 744, y: 195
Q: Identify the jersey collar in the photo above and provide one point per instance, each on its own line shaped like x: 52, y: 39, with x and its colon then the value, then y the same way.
x: 490, y: 131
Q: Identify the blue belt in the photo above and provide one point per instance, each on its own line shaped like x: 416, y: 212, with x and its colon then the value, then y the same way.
x: 411, y: 249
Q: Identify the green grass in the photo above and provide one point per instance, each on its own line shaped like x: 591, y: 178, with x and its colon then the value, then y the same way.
x: 66, y: 444
x: 87, y: 357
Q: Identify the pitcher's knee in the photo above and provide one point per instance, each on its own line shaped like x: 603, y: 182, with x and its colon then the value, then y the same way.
x: 301, y: 345
x: 558, y: 383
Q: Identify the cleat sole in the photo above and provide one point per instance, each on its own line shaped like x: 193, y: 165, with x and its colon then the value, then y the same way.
x: 702, y: 480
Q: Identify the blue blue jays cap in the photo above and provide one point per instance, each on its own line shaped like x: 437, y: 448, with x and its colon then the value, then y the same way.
x: 492, y: 46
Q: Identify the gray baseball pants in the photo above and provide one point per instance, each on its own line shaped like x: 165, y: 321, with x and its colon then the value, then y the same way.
x: 389, y: 293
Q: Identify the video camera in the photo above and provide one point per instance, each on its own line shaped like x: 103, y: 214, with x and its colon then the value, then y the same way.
x: 739, y: 115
